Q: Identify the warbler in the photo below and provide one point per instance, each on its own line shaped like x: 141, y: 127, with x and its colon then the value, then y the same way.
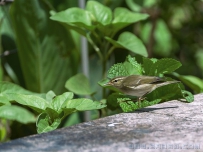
x: 138, y: 85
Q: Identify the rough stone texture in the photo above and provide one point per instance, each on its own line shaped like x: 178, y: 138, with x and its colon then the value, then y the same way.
x: 170, y: 126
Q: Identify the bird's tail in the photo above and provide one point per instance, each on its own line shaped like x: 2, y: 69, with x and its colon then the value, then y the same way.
x: 166, y: 83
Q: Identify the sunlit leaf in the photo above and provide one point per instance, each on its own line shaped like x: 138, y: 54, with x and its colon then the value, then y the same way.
x: 16, y: 113
x: 79, y: 84
x: 130, y: 42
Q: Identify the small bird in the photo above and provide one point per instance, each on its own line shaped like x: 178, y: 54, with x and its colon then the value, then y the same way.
x: 138, y: 85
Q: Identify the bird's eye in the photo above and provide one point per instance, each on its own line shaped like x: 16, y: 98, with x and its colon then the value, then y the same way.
x: 115, y: 81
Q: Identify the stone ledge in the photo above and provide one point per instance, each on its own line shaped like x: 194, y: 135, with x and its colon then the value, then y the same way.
x: 170, y: 126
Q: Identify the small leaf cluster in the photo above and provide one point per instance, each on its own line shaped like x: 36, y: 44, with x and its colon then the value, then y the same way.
x: 150, y: 67
x: 52, y: 109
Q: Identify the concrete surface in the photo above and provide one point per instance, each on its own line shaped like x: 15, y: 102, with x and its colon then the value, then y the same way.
x: 170, y: 126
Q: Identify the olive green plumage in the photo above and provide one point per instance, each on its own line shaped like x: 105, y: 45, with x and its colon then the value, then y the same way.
x: 138, y: 85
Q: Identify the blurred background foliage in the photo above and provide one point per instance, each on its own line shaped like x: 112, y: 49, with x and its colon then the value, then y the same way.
x: 40, y: 54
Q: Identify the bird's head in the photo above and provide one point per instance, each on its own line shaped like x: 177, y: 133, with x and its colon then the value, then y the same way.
x: 116, y: 82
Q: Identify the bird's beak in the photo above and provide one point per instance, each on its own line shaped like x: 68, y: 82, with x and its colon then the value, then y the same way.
x: 108, y: 84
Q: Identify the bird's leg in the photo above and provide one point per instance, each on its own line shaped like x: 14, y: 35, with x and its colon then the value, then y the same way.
x: 135, y: 100
x: 141, y: 99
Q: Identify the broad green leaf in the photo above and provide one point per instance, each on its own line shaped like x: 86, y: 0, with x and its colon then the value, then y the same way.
x: 167, y: 92
x: 84, y: 104
x: 193, y: 82
x: 112, y: 100
x: 162, y: 66
x: 36, y: 103
x: 60, y: 101
x: 43, y: 123
x: 79, y: 84
x: 102, y: 14
x: 167, y: 65
x: 16, y: 113
x: 45, y: 47
x: 118, y: 70
x: 123, y: 17
x: 50, y: 95
x: 148, y: 66
x: 74, y: 16
x: 4, y: 100
x: 53, y: 114
x: 68, y: 111
x: 135, y: 64
x: 6, y: 88
x: 127, y: 68
x: 130, y: 42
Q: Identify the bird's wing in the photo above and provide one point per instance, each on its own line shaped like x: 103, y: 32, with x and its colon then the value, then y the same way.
x: 136, y: 80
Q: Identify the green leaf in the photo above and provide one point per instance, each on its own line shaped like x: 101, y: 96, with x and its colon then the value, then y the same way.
x: 188, y: 96
x: 53, y: 114
x: 50, y: 95
x: 136, y: 66
x: 60, y: 101
x: 129, y: 67
x: 130, y: 42
x: 162, y: 66
x: 112, y: 103
x: 48, y: 51
x: 68, y: 111
x: 79, y: 84
x: 123, y: 17
x: 16, y: 113
x: 6, y: 88
x: 167, y: 92
x: 4, y: 100
x: 74, y: 16
x: 117, y: 70
x: 101, y: 13
x: 36, y: 103
x: 148, y: 65
x: 193, y: 82
x: 84, y: 104
x: 103, y: 82
x: 43, y: 123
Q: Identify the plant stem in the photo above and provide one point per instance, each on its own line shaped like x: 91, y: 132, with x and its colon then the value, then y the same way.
x: 109, y: 52
x: 94, y: 46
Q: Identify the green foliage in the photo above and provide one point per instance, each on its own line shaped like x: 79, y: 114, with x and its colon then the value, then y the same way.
x: 130, y: 42
x: 129, y: 67
x: 12, y: 112
x: 162, y: 66
x: 45, y: 48
x: 52, y: 109
x: 98, y: 21
x: 150, y: 67
x: 79, y: 84
x: 193, y: 82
